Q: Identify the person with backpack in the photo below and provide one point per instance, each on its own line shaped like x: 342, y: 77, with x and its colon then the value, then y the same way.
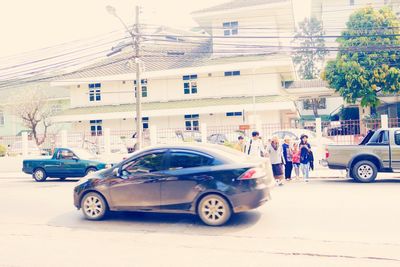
x: 255, y: 147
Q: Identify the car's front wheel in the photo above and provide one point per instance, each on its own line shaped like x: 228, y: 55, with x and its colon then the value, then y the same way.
x: 39, y: 175
x: 365, y: 171
x: 214, y: 210
x: 94, y: 206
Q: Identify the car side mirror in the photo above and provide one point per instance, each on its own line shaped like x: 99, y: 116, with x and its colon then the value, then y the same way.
x: 75, y: 158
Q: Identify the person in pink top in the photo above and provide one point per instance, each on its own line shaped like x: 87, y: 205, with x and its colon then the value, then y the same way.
x: 296, y: 160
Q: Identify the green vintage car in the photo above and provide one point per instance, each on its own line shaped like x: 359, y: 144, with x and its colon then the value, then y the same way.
x: 64, y: 163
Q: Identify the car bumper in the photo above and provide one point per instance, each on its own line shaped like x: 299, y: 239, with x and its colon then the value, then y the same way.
x: 250, y: 200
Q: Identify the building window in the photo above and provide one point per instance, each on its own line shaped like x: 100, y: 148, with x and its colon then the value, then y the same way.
x: 232, y: 73
x: 144, y: 87
x: 145, y: 122
x: 94, y: 92
x: 190, y: 84
x: 192, y: 122
x: 230, y: 28
x: 96, y: 127
x: 320, y: 102
x: 234, y: 114
x: 2, y: 122
x: 56, y: 108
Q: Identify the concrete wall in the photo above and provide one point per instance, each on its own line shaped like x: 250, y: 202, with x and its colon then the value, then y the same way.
x: 332, y: 103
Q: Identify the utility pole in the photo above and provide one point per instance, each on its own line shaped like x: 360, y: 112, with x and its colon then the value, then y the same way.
x: 139, y: 126
x: 135, y: 35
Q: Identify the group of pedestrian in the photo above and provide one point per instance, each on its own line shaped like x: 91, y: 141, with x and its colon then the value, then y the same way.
x: 285, y: 158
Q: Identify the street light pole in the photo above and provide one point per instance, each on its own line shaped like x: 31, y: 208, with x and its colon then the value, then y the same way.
x: 139, y: 125
x: 135, y: 35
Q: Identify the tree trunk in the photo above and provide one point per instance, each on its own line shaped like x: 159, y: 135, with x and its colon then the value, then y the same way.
x: 315, y: 103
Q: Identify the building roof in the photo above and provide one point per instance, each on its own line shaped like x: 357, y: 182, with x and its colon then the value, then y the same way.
x: 181, y: 104
x: 119, y: 65
x: 237, y: 4
x: 306, y: 84
x: 52, y: 93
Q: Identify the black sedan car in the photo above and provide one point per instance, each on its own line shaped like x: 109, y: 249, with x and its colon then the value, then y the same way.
x: 208, y: 180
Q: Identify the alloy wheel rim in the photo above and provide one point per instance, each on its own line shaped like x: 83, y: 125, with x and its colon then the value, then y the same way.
x: 93, y: 206
x: 214, y: 210
x: 365, y: 171
x: 39, y: 175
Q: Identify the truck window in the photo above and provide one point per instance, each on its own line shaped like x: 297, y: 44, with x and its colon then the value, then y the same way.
x: 384, y: 138
x: 397, y: 138
x: 380, y: 138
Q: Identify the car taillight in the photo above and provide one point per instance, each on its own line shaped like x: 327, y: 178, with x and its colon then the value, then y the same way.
x: 253, y: 173
x: 326, y: 153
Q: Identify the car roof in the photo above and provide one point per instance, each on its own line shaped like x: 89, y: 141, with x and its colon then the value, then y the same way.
x: 218, y: 151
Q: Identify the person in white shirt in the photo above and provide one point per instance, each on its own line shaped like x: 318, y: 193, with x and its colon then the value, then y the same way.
x: 255, y: 146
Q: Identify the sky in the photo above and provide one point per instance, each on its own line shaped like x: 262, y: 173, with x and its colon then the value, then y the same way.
x: 28, y: 25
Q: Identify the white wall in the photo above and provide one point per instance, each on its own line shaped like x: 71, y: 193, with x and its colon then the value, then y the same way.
x: 212, y: 120
x: 171, y: 88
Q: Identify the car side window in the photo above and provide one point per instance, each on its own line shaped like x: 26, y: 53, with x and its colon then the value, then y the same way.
x: 65, y: 154
x: 397, y: 138
x: 183, y: 160
x: 148, y: 163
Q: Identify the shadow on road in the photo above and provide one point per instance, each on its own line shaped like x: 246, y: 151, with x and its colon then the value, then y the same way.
x: 155, y: 222
x: 351, y: 181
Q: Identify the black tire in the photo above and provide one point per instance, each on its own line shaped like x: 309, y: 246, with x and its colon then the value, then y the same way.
x: 39, y: 175
x: 214, y: 210
x: 90, y: 170
x: 364, y: 171
x: 94, y: 206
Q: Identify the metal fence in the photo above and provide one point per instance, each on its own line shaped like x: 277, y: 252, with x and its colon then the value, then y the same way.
x: 340, y: 132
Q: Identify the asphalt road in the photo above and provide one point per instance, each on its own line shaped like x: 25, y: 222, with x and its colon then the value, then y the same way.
x: 327, y: 222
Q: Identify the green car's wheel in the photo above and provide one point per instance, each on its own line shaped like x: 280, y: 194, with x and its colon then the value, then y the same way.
x: 90, y: 171
x: 39, y: 175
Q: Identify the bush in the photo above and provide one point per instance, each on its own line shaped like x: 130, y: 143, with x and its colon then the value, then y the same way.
x: 2, y: 151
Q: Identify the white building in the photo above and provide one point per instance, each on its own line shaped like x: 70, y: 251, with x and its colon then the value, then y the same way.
x: 189, y: 78
x: 329, y: 102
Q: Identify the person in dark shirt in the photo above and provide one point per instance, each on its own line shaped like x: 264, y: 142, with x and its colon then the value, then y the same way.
x: 288, y: 156
x: 305, y: 151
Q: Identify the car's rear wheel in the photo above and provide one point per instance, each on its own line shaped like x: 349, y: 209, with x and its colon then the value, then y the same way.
x: 90, y: 171
x: 214, y: 210
x: 39, y: 175
x: 94, y: 206
x: 364, y: 171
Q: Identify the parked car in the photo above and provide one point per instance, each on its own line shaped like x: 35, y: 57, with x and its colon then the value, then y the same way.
x: 211, y: 181
x: 379, y: 151
x: 64, y: 163
x: 33, y: 150
x: 295, y: 135
x: 223, y: 138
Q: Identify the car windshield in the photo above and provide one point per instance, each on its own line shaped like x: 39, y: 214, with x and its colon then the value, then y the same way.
x: 83, y: 154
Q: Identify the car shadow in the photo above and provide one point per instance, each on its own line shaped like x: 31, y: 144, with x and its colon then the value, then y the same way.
x: 155, y: 222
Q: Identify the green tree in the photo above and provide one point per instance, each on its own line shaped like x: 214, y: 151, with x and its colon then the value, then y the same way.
x: 310, y: 52
x: 368, y: 59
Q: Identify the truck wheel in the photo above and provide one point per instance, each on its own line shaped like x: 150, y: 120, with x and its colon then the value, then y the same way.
x: 364, y: 171
x: 39, y: 175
